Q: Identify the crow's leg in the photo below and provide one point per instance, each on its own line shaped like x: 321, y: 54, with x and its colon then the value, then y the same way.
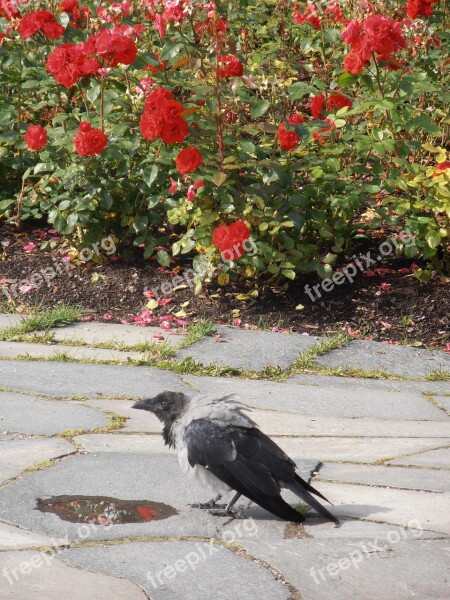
x: 210, y: 504
x: 228, y: 509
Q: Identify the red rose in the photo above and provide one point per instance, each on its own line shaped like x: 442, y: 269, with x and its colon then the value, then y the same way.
x: 53, y: 30
x: 114, y: 48
x: 316, y: 105
x: 233, y: 67
x: 62, y: 64
x: 309, y: 16
x: 154, y: 101
x: 354, y: 63
x: 336, y: 100
x: 175, y: 132
x: 8, y: 10
x: 318, y: 135
x: 35, y: 137
x: 150, y: 125
x: 89, y: 141
x: 69, y: 5
x: 188, y: 160
x: 40, y: 20
x: 230, y: 239
x: 172, y: 111
x: 288, y: 140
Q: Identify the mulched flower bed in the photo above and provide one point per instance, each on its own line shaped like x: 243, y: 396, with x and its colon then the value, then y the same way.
x: 386, y: 303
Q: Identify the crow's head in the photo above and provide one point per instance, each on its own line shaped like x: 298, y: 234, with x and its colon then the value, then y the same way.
x: 167, y: 406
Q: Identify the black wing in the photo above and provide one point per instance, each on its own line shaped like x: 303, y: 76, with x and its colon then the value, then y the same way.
x: 246, y: 460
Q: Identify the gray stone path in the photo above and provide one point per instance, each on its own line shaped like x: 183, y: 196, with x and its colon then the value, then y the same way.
x: 379, y: 449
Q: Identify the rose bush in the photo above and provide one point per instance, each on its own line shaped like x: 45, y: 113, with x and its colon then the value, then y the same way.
x: 181, y: 126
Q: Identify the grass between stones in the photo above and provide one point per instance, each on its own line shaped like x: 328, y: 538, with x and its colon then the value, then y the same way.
x: 59, y: 316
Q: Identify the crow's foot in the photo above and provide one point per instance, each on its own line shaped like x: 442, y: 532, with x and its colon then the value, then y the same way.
x: 208, y: 505
x: 232, y: 513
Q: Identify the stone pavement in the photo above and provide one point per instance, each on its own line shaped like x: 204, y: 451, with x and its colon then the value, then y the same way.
x: 379, y: 449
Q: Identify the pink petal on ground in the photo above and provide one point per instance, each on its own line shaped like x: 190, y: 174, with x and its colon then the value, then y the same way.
x: 368, y: 274
x: 24, y: 289
x: 158, y: 336
x: 29, y: 247
x: 237, y: 322
x: 149, y: 294
x: 385, y: 286
x: 404, y: 271
x: 107, y: 317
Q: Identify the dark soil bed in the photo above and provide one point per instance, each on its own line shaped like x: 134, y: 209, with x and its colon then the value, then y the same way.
x: 385, y: 304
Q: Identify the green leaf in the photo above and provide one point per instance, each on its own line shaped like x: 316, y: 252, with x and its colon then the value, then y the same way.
x: 259, y: 108
x: 163, y: 258
x: 433, y: 239
x: 300, y: 89
x: 149, y: 174
x: 93, y: 91
x: 346, y: 79
x: 324, y: 271
x: 170, y: 50
x: 289, y: 273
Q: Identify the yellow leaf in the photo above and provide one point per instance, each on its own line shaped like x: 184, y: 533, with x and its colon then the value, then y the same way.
x: 299, y: 307
x: 152, y: 304
x: 243, y: 297
x: 190, y: 111
x: 223, y: 279
x: 180, y: 313
x: 219, y: 178
x: 180, y: 63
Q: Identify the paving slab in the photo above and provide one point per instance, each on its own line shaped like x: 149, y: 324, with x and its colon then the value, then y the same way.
x: 9, y: 320
x: 128, y: 476
x: 28, y: 414
x: 444, y: 400
x: 51, y: 351
x: 353, y: 528
x: 429, y: 510
x: 324, y: 402
x: 400, y: 360
x: 162, y: 570
x: 352, y: 569
x: 37, y: 575
x: 439, y: 459
x: 15, y: 538
x: 88, y: 380
x: 249, y: 350
x: 129, y: 335
x: 380, y: 475
x: 361, y: 450
x: 138, y: 420
x: 390, y: 385
x: 279, y: 423
x: 17, y: 455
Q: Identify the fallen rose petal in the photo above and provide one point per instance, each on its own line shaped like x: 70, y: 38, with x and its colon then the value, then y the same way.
x: 107, y: 317
x: 385, y: 286
x: 369, y: 274
x: 237, y: 322
x: 24, y: 289
x: 158, y: 336
x: 29, y: 247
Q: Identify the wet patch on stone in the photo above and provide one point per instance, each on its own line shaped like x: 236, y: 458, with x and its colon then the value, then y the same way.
x: 101, y: 510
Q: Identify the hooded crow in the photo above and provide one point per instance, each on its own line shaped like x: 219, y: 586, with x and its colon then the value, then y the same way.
x: 223, y: 448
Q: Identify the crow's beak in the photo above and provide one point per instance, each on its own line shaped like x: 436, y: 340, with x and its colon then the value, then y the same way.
x: 140, y: 404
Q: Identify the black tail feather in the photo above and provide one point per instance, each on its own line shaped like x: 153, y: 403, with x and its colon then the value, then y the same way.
x: 300, y: 489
